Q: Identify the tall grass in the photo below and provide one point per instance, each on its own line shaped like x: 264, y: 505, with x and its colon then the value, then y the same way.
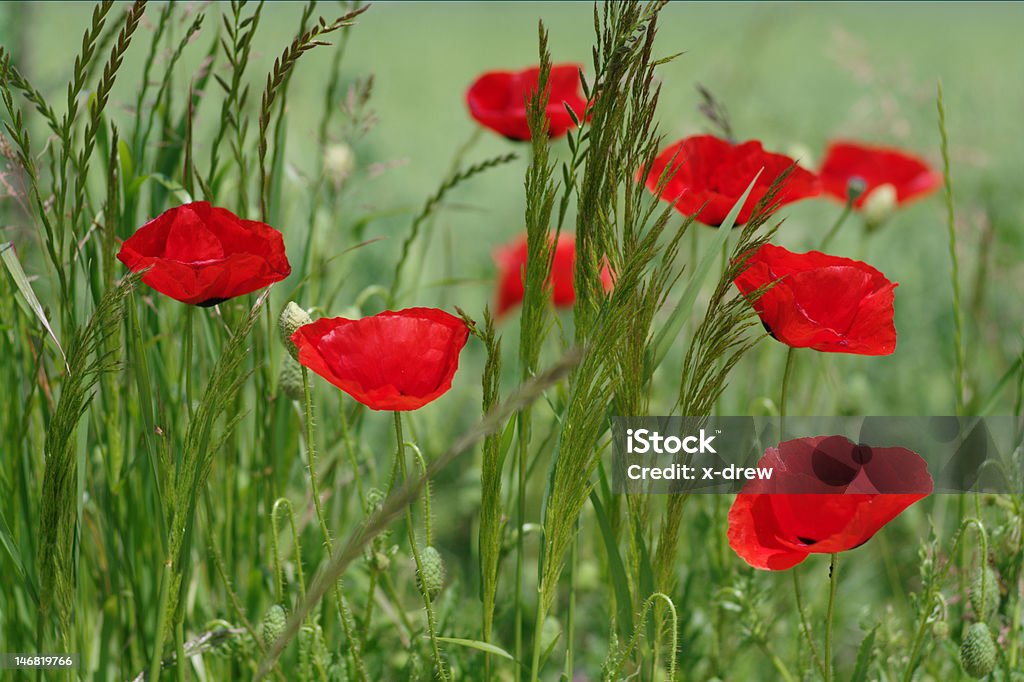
x: 178, y: 497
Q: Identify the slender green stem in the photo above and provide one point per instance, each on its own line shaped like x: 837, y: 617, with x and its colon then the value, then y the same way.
x: 427, y: 516
x: 833, y: 579
x: 522, y: 452
x: 156, y: 659
x: 804, y: 625
x: 179, y: 650
x: 780, y: 667
x: 958, y: 317
x: 343, y: 610
x: 538, y: 640
x: 786, y: 374
x: 442, y: 673
x: 188, y: 358
x: 830, y: 235
x: 570, y: 626
x: 371, y: 592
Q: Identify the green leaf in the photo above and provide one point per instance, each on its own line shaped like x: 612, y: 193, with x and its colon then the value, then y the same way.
x: 668, y: 333
x: 10, y: 259
x: 177, y: 190
x: 989, y: 403
x: 623, y: 601
x: 477, y: 644
x: 7, y: 541
x: 865, y: 652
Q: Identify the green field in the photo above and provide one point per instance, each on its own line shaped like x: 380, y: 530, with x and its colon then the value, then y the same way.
x: 792, y: 75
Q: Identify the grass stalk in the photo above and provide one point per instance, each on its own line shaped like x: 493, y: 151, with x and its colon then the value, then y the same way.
x: 440, y: 669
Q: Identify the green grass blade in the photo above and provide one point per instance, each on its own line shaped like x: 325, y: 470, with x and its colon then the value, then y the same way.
x: 668, y: 333
x: 623, y: 601
x: 10, y: 259
x: 476, y: 644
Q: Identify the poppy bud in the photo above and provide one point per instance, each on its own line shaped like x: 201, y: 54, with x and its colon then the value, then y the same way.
x: 338, y: 163
x: 292, y: 317
x: 431, y: 579
x: 290, y: 381
x: 855, y: 187
x: 978, y: 651
x: 273, y: 626
x: 984, y: 593
x: 940, y: 630
x: 879, y: 205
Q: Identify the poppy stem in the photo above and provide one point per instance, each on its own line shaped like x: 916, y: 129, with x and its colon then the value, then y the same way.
x: 344, y: 613
x: 786, y: 374
x: 442, y: 674
x: 804, y: 624
x: 833, y: 579
x: 188, y: 359
x: 847, y: 209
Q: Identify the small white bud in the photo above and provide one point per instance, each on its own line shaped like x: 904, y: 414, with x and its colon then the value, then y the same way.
x: 880, y: 205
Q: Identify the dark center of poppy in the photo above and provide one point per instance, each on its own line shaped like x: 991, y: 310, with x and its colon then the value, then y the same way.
x: 862, y: 454
x: 830, y: 468
x: 806, y: 541
x: 210, y: 302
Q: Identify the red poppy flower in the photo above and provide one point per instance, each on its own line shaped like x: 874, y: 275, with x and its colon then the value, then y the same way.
x: 708, y: 170
x: 910, y: 176
x: 828, y: 303
x: 511, y: 261
x: 395, y: 360
x: 826, y: 494
x: 203, y: 255
x: 497, y: 100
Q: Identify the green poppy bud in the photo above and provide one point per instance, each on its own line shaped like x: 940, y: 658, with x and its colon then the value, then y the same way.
x: 984, y: 593
x: 940, y: 630
x: 339, y: 162
x: 978, y: 651
x: 292, y: 317
x: 290, y: 381
x: 273, y: 626
x: 431, y: 580
x: 879, y: 205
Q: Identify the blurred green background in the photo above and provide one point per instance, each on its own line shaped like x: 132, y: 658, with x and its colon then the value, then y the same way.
x: 793, y: 75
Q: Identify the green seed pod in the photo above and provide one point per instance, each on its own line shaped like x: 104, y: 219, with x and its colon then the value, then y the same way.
x: 989, y: 592
x: 292, y: 317
x: 978, y: 651
x: 432, y: 578
x: 274, y: 622
x: 879, y: 206
x: 339, y: 162
x: 290, y: 381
